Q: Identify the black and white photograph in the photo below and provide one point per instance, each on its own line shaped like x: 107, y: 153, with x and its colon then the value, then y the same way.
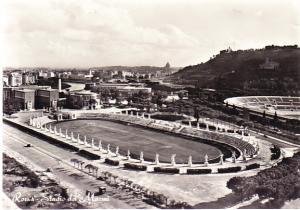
x: 150, y: 104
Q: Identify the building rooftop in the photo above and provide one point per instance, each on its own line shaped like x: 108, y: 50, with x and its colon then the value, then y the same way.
x: 26, y: 90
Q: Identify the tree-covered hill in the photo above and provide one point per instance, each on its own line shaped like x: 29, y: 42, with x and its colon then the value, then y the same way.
x: 243, y: 69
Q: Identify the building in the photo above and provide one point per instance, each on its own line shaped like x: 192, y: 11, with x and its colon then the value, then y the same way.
x: 50, y: 74
x: 14, y: 79
x: 269, y: 65
x: 25, y: 98
x: 46, y: 98
x: 5, y: 80
x: 171, y: 98
x: 131, y: 90
x: 84, y: 100
x: 28, y: 78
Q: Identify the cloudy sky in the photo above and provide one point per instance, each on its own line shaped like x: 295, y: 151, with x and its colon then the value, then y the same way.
x: 87, y: 33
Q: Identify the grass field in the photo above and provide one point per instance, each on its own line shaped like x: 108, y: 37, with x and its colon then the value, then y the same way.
x: 137, y: 139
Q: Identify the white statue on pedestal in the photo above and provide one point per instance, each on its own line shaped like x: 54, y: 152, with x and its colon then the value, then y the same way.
x: 100, y: 145
x: 173, y: 161
x: 141, y: 157
x: 206, y: 160
x: 78, y: 138
x: 156, y: 159
x: 85, y: 142
x: 221, y: 159
x: 92, y: 143
x: 233, y: 157
x: 108, y: 148
x: 117, y: 151
x: 190, y: 162
x: 128, y: 154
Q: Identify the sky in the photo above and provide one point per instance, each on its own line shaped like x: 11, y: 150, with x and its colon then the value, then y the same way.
x: 90, y: 33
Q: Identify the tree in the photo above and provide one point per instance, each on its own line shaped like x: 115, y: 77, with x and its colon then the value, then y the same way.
x: 11, y: 106
x: 196, y: 114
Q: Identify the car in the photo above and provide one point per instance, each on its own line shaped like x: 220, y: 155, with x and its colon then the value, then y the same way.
x: 28, y: 145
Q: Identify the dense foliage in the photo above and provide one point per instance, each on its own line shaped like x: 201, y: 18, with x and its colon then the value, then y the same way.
x: 229, y: 169
x: 135, y: 166
x: 279, y: 183
x: 198, y: 171
x: 111, y: 162
x: 166, y: 170
x: 241, y: 70
x: 252, y: 166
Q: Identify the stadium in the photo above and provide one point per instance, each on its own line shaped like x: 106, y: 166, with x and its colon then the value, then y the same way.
x: 283, y: 106
x: 130, y: 137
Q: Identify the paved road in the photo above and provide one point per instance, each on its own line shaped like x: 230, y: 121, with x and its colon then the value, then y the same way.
x: 78, y: 182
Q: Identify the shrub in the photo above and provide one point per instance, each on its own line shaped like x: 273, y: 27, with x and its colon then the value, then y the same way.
x: 111, y: 162
x: 198, y: 171
x: 252, y: 166
x: 275, y: 153
x: 229, y: 170
x: 135, y: 166
x: 166, y: 170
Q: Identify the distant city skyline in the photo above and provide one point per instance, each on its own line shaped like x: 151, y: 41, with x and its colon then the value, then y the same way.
x: 97, y: 33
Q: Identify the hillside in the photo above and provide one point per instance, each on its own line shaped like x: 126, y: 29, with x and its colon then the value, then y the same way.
x: 263, y: 70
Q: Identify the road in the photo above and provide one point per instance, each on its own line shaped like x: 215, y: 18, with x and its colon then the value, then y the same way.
x: 77, y: 181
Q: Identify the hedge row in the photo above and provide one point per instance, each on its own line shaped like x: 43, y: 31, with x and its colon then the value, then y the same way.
x: 198, y: 171
x: 111, y: 162
x: 229, y: 170
x: 135, y: 166
x: 166, y: 170
x: 252, y: 166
